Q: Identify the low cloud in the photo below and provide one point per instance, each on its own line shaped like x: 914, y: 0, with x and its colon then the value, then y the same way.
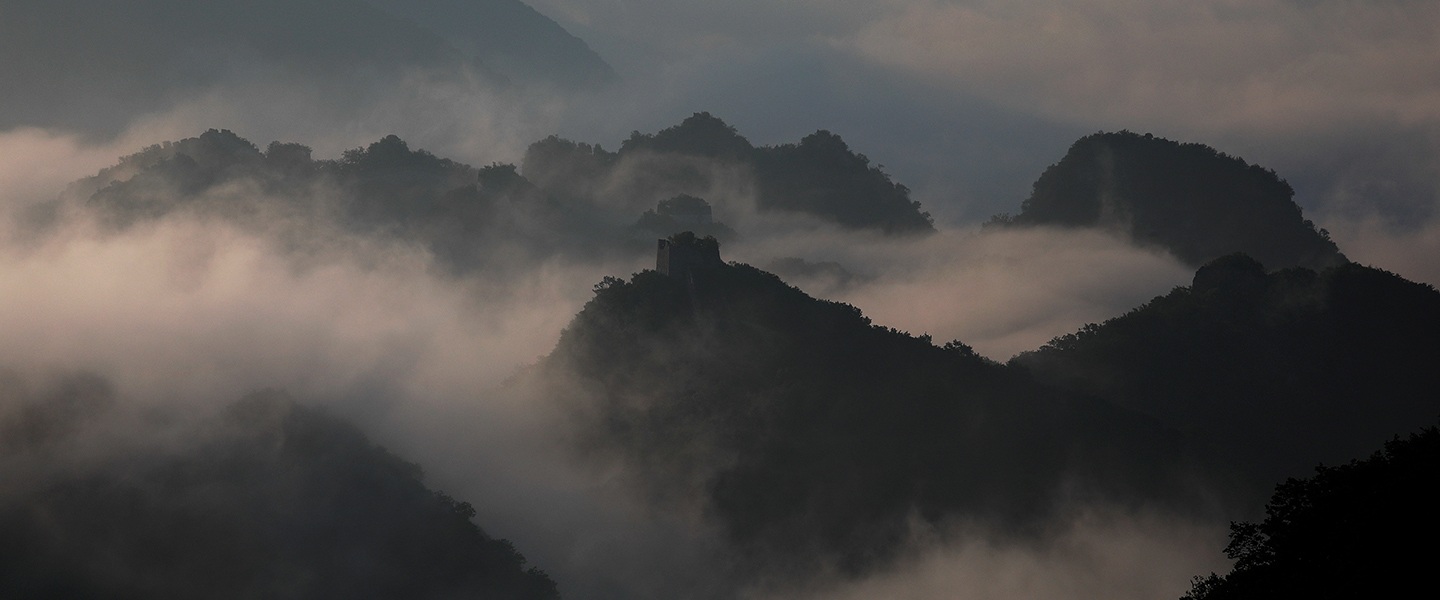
x: 1406, y: 251
x: 1001, y: 292
x: 187, y: 313
x: 1098, y: 556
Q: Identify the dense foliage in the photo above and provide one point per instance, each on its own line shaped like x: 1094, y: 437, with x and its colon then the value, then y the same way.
x: 811, y: 434
x: 1273, y: 371
x: 271, y: 500
x: 1190, y: 199
x: 1359, y: 530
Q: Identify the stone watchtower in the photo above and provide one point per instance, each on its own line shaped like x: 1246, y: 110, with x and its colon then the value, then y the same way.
x: 683, y: 251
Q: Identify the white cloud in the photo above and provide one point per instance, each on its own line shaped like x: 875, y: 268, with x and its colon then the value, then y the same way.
x: 1099, y: 556
x: 1001, y: 292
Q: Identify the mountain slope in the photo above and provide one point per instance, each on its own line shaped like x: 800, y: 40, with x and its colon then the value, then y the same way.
x: 510, y: 37
x: 1272, y: 371
x: 267, y: 500
x: 93, y: 65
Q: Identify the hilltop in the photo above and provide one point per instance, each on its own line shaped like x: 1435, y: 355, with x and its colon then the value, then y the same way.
x: 1190, y: 199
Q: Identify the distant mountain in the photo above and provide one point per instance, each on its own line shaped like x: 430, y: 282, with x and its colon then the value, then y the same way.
x: 1190, y: 199
x: 95, y: 64
x: 267, y: 500
x: 705, y: 157
x: 1273, y: 372
x: 510, y: 37
x: 811, y: 435
x: 463, y: 215
x: 490, y: 218
x: 1348, y: 531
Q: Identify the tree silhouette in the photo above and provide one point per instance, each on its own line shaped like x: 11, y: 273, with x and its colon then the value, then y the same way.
x: 1360, y: 530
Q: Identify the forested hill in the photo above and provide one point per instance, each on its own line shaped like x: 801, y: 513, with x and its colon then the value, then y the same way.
x: 267, y: 500
x: 488, y: 218
x: 1276, y: 371
x: 810, y: 434
x: 1190, y: 199
x: 705, y: 157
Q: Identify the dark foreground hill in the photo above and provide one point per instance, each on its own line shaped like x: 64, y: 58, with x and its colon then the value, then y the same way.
x: 1359, y: 530
x: 269, y: 500
x: 811, y: 435
x: 1274, y: 372
x: 704, y: 157
x: 1190, y: 199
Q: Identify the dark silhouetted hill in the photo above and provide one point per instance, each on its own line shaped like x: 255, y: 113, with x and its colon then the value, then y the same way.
x: 822, y: 176
x: 1197, y: 203
x: 267, y: 500
x: 703, y: 156
x: 810, y: 434
x: 1359, y: 530
x: 1272, y: 372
